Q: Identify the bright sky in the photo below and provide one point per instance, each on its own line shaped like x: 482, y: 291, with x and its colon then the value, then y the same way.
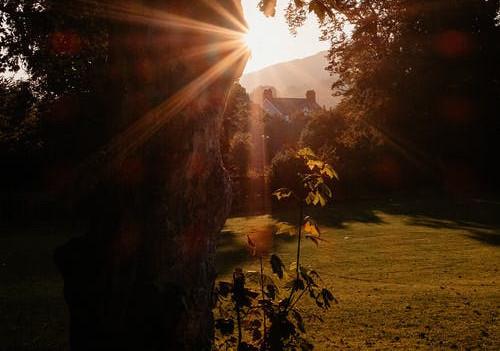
x: 270, y: 40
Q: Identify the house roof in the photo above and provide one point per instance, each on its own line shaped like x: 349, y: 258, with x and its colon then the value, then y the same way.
x: 289, y: 106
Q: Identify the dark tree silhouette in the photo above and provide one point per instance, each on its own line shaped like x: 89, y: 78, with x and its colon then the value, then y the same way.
x: 133, y: 105
x: 422, y: 75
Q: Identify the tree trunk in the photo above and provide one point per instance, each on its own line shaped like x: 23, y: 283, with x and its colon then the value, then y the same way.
x: 142, y: 278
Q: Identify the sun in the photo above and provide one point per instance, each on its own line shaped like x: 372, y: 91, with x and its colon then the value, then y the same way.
x: 252, y: 40
x: 269, y: 39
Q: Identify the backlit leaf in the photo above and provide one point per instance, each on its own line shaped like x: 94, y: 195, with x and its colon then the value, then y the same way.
x: 310, y: 198
x: 311, y: 227
x: 329, y: 171
x: 282, y: 193
x: 285, y: 229
x: 315, y: 163
x: 306, y: 152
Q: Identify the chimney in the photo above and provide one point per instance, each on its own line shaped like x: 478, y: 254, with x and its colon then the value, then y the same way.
x: 311, y: 96
x: 268, y: 94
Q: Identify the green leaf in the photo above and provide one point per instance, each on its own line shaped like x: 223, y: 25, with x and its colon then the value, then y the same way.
x: 306, y: 153
x: 304, y: 273
x: 310, y: 198
x: 316, y: 198
x: 225, y: 326
x: 224, y: 289
x: 285, y: 229
x: 252, y: 246
x: 271, y: 291
x: 300, y: 322
x: 327, y: 297
x: 329, y: 171
x: 277, y: 266
x: 298, y: 284
x: 255, y: 277
x: 319, y: 199
x: 315, y: 163
x: 325, y: 190
x: 282, y: 193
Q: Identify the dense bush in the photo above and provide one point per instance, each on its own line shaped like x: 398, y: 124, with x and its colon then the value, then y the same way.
x: 369, y: 162
x: 285, y: 170
x: 238, y: 157
x: 235, y: 138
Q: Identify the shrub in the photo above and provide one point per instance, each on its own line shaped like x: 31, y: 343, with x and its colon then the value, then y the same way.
x: 269, y: 319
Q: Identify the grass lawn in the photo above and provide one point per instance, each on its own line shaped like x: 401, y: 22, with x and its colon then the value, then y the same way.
x: 408, y: 275
x: 33, y: 314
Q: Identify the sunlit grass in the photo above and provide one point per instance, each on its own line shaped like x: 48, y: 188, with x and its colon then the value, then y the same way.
x: 408, y: 275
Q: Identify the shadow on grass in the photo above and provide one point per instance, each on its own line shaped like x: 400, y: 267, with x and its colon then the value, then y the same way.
x: 231, y: 252
x: 336, y: 216
x: 486, y: 238
x: 479, y: 217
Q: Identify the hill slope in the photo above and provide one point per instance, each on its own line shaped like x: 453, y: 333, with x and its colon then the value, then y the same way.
x: 293, y: 78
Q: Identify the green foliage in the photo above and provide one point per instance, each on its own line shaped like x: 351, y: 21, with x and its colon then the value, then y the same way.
x: 277, y: 266
x: 416, y: 77
x: 57, y: 45
x: 282, y: 133
x: 19, y: 120
x: 272, y: 320
x: 235, y: 137
x: 304, y: 175
x: 357, y: 152
x: 284, y: 173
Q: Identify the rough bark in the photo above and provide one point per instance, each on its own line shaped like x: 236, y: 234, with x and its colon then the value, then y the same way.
x: 142, y: 278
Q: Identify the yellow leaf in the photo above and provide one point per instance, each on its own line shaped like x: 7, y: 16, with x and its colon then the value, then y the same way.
x: 310, y: 198
x: 315, y: 163
x: 329, y: 171
x: 311, y: 227
x: 306, y: 153
x: 285, y: 229
x: 316, y: 198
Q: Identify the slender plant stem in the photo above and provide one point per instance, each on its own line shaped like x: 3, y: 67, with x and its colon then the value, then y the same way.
x: 298, y: 298
x: 262, y: 291
x: 238, y: 318
x: 238, y: 315
x: 301, y: 219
